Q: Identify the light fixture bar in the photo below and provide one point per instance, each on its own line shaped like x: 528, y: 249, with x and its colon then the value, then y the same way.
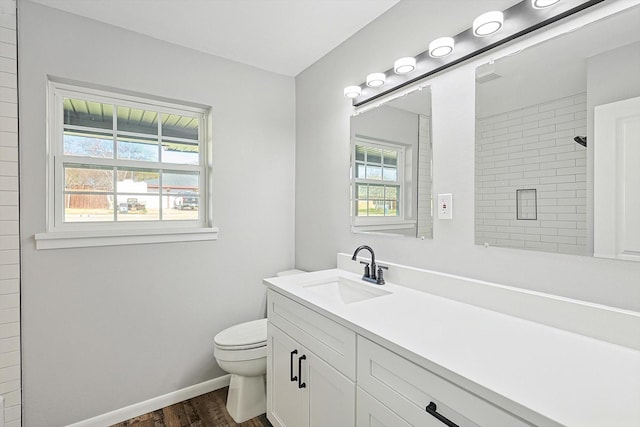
x: 518, y: 20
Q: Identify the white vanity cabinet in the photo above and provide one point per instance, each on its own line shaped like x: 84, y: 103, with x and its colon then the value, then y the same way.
x: 310, y: 368
x: 313, y: 369
x: 425, y: 360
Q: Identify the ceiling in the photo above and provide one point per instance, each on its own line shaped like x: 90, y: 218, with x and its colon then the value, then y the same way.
x: 555, y: 68
x: 282, y: 36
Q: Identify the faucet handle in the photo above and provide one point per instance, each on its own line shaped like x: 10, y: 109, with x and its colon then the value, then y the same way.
x: 367, y: 273
x: 380, y: 280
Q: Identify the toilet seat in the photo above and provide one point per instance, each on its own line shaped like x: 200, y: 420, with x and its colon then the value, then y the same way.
x: 245, y: 341
x: 239, y: 355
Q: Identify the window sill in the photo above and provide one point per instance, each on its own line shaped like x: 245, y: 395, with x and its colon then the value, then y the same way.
x: 83, y: 239
x: 379, y: 225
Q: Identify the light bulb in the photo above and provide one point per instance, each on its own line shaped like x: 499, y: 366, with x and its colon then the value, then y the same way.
x: 440, y: 47
x: 404, y: 65
x: 375, y: 79
x: 541, y: 4
x: 352, y: 91
x: 487, y: 23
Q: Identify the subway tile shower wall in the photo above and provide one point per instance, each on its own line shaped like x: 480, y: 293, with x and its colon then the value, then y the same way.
x: 533, y: 148
x: 425, y: 218
x: 9, y: 242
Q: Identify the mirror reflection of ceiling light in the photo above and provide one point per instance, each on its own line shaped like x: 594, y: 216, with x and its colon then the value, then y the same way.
x: 352, y: 91
x: 404, y: 65
x: 375, y: 79
x: 440, y: 47
x: 487, y: 23
x: 541, y: 4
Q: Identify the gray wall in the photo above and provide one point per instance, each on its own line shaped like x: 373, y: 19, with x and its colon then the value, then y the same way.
x: 322, y: 141
x: 108, y: 327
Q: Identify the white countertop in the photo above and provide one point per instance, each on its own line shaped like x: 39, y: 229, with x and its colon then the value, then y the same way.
x: 568, y: 378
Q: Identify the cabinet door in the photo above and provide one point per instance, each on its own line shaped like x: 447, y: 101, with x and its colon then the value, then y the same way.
x: 284, y: 398
x: 331, y: 397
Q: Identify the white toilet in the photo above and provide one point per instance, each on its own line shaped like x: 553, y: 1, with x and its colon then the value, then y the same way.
x: 241, y: 350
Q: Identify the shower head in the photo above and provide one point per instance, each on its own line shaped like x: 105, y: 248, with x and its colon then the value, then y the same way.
x: 582, y: 140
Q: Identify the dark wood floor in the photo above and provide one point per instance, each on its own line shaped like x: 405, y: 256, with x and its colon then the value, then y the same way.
x: 207, y: 410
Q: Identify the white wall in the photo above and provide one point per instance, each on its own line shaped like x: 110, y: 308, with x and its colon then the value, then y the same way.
x: 97, y: 337
x: 322, y: 141
x: 9, y: 241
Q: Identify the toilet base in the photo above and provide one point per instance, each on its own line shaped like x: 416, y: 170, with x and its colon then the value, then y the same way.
x: 247, y: 397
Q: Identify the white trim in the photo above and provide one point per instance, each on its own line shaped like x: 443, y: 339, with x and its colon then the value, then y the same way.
x: 363, y: 141
x: 57, y: 229
x: 85, y: 239
x: 400, y: 225
x: 154, y: 404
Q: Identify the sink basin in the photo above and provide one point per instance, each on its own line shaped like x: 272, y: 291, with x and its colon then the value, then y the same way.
x: 344, y: 291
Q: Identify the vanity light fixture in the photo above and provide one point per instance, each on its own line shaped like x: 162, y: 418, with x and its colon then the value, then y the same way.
x: 352, y: 91
x: 541, y: 4
x: 488, y: 23
x: 375, y: 79
x: 521, y: 18
x: 404, y: 65
x: 440, y: 47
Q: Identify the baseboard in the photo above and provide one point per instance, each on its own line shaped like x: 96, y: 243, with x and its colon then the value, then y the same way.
x: 154, y: 404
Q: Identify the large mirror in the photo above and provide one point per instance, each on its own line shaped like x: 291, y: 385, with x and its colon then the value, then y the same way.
x: 536, y: 149
x: 391, y: 167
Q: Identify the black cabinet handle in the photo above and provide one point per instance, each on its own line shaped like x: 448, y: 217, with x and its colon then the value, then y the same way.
x: 431, y: 409
x: 293, y: 377
x: 300, y: 383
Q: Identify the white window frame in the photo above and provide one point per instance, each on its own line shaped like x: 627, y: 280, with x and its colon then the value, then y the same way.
x: 60, y: 234
x: 371, y: 222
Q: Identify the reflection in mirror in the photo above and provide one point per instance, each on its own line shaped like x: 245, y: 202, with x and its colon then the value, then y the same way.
x: 391, y: 167
x: 535, y: 138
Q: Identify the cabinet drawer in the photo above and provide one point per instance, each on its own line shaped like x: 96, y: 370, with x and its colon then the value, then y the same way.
x: 407, y: 389
x: 372, y: 413
x: 329, y: 340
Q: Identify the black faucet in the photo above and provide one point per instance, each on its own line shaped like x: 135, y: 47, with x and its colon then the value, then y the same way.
x: 370, y: 272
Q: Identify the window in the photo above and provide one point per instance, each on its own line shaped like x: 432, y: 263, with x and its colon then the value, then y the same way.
x: 120, y: 164
x: 377, y: 180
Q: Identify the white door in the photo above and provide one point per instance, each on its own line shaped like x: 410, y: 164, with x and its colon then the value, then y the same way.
x: 617, y: 180
x: 330, y: 396
x: 284, y: 397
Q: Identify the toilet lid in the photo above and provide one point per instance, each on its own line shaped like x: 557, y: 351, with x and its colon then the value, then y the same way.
x: 244, y: 335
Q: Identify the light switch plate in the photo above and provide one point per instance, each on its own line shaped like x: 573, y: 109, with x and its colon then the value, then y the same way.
x: 445, y: 206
